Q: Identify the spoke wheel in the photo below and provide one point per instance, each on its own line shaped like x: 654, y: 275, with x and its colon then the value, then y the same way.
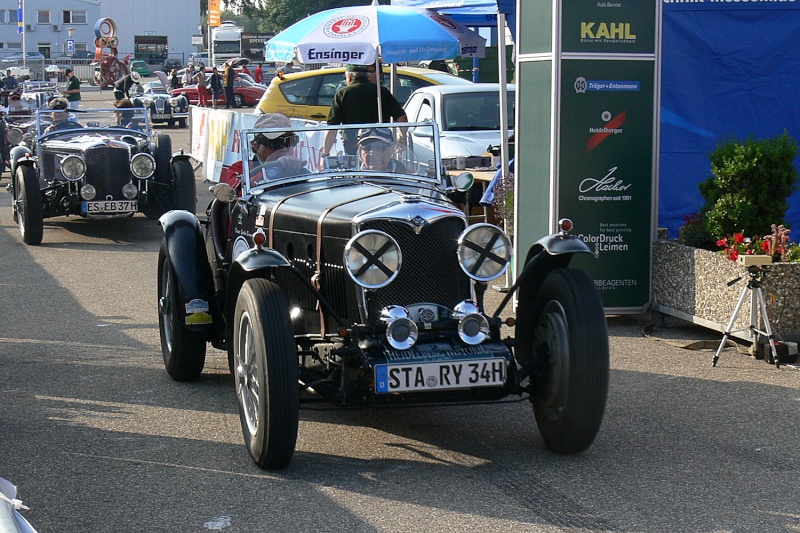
x: 571, y: 345
x: 265, y: 361
x: 184, y: 351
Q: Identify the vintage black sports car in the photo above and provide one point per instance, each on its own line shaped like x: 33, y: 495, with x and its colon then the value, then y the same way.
x: 163, y: 107
x: 100, y: 163
x: 362, y: 283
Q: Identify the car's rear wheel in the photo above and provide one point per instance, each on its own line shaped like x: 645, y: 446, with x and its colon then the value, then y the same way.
x: 266, y: 373
x: 28, y: 205
x: 185, y: 186
x: 571, y: 341
x: 160, y: 187
x: 184, y: 350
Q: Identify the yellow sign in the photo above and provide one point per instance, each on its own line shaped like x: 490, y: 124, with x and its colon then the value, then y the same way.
x: 214, y: 13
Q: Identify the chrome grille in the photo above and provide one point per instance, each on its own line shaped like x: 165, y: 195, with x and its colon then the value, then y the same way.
x: 430, y: 271
x: 108, y: 169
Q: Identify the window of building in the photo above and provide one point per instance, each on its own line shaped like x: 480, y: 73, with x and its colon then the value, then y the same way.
x: 8, y: 16
x: 43, y: 16
x: 44, y: 49
x: 74, y: 17
x: 14, y: 46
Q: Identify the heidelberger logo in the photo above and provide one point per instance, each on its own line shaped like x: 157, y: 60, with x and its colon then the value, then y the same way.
x: 345, y: 26
x: 446, y: 22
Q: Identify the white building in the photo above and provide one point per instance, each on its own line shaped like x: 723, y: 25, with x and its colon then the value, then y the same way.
x: 146, y: 29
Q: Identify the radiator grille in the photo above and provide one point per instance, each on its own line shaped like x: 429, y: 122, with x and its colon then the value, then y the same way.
x: 430, y: 270
x: 108, y: 169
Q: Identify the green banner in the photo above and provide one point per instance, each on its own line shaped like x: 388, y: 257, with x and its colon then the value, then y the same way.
x: 603, y: 27
x: 606, y: 170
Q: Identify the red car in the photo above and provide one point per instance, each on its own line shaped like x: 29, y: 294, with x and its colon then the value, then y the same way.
x: 246, y: 93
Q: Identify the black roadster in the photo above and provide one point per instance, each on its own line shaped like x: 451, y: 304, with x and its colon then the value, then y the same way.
x: 363, y: 284
x: 163, y: 107
x: 98, y: 164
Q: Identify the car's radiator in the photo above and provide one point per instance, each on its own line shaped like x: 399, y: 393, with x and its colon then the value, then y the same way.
x: 429, y: 271
x: 108, y: 169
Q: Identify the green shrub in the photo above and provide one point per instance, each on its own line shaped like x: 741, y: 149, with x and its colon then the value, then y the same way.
x: 695, y: 233
x: 751, y: 183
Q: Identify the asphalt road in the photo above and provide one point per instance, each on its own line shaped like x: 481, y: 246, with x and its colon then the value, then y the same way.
x: 97, y: 437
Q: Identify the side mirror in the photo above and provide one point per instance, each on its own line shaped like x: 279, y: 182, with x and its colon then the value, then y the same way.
x: 224, y: 193
x: 463, y: 182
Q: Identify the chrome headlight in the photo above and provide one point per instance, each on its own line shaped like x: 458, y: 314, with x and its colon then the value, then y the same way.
x: 73, y: 168
x: 473, y: 328
x: 401, y: 331
x: 15, y: 135
x: 143, y: 165
x: 174, y: 102
x: 88, y: 192
x: 372, y: 258
x: 484, y: 251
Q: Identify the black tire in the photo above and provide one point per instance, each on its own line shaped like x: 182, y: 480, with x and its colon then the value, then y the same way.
x: 185, y: 197
x: 570, y: 334
x: 29, y: 205
x: 184, y: 350
x: 264, y: 354
x: 161, y: 188
x: 182, y: 122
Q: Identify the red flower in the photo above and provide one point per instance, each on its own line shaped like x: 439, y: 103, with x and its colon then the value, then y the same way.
x: 734, y: 255
x: 739, y: 238
x: 722, y: 242
x: 765, y: 246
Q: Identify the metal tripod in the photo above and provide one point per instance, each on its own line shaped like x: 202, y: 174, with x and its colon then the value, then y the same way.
x: 756, y: 304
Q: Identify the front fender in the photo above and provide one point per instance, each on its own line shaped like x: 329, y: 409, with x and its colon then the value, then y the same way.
x: 20, y: 155
x: 255, y: 262
x: 187, y: 253
x: 547, y: 254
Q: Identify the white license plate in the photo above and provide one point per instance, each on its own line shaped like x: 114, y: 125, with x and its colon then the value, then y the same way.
x: 440, y: 375
x: 164, y: 115
x: 109, y: 206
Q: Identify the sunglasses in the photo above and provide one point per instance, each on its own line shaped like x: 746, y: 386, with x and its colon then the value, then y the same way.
x: 288, y: 141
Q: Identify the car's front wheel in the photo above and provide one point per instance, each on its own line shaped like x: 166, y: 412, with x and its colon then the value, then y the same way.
x: 571, y: 343
x: 28, y: 205
x: 265, y: 362
x: 184, y: 350
x: 160, y: 189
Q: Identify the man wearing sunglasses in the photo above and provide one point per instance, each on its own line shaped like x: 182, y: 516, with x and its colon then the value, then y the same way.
x: 375, y: 150
x: 274, y: 147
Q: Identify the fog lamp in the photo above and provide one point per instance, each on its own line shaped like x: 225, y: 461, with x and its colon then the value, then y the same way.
x: 129, y: 191
x: 401, y: 331
x: 88, y: 192
x: 473, y: 328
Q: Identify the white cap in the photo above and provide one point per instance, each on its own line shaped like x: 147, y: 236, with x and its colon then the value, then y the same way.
x: 135, y: 76
x: 273, y: 120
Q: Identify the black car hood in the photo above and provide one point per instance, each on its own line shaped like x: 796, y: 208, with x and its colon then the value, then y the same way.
x: 339, y: 206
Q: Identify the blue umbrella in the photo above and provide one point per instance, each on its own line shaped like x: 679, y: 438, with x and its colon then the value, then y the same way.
x: 359, y: 34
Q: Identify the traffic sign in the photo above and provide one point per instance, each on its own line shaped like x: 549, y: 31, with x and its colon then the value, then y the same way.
x: 70, y: 46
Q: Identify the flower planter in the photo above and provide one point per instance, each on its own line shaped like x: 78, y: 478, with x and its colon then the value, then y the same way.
x: 692, y: 284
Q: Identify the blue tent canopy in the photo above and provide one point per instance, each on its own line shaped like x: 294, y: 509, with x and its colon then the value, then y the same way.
x: 471, y: 12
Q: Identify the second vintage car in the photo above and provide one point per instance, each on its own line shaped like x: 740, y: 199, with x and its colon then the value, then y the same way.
x: 163, y: 107
x: 96, y: 164
x: 355, y: 278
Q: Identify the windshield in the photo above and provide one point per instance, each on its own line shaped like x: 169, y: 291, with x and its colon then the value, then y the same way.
x: 475, y: 111
x: 363, y: 150
x: 134, y: 118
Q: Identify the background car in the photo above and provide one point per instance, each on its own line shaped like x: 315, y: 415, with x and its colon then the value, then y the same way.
x: 171, y: 63
x: 309, y: 94
x: 468, y: 117
x: 163, y: 106
x: 137, y: 65
x: 16, y: 57
x: 99, y: 164
x: 245, y: 92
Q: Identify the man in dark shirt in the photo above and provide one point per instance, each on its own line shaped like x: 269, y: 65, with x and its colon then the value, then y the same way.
x: 357, y: 103
x: 122, y: 88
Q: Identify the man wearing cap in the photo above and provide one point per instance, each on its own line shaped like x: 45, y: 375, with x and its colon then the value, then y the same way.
x: 15, y: 104
x: 274, y: 146
x: 122, y: 89
x: 73, y: 89
x: 60, y: 116
x: 357, y: 103
x: 375, y: 150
